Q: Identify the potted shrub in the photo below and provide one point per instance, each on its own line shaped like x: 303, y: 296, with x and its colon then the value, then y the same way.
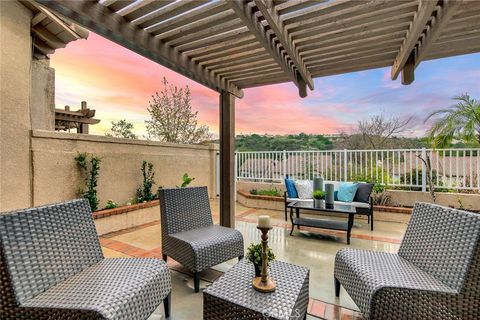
x: 254, y: 254
x: 318, y: 196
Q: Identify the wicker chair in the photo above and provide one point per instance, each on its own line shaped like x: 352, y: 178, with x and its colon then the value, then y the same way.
x: 189, y: 235
x: 435, y: 275
x: 52, y: 267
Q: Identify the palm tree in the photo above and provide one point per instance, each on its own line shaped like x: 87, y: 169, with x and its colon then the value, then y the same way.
x: 460, y: 121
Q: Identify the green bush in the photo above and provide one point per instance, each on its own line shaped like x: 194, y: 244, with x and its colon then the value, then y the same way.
x: 144, y: 192
x: 89, y: 166
x: 274, y: 192
x: 111, y: 204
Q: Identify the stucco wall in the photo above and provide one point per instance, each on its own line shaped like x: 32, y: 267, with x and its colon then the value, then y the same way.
x: 42, y: 97
x: 408, y: 198
x: 56, y: 176
x: 15, y: 58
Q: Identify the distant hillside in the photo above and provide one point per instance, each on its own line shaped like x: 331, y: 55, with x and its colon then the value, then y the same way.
x: 302, y: 141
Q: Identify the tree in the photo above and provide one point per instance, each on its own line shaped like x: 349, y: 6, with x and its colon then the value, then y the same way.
x: 377, y: 132
x: 379, y: 129
x: 172, y: 118
x: 461, y: 121
x: 122, y: 129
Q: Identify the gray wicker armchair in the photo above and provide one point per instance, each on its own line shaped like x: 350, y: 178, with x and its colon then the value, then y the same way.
x: 52, y: 267
x: 189, y: 235
x: 435, y: 275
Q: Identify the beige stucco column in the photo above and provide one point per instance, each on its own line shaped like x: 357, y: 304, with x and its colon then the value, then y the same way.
x: 15, y: 67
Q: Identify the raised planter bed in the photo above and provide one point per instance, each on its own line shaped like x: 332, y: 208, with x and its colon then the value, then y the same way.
x: 124, y: 209
x: 125, y: 217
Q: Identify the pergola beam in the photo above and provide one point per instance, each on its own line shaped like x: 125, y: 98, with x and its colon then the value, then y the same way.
x: 422, y: 16
x: 250, y: 19
x: 276, y: 24
x: 438, y: 25
x: 113, y: 26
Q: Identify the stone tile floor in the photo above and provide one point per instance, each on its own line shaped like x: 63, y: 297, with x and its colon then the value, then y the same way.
x: 313, y: 248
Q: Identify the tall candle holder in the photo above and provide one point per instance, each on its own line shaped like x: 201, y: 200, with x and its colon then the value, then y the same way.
x: 264, y: 283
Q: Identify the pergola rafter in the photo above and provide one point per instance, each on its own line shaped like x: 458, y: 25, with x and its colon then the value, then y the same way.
x: 432, y: 20
x: 271, y: 15
x: 113, y: 26
x: 422, y: 17
x: 438, y: 24
x: 250, y: 18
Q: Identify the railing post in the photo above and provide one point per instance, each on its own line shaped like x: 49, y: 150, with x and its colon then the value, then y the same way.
x: 345, y: 165
x: 284, y: 164
x: 424, y: 170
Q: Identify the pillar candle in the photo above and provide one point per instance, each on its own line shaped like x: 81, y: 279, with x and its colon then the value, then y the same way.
x: 264, y: 222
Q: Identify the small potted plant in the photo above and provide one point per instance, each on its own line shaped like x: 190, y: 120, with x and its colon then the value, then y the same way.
x: 254, y: 254
x: 318, y: 196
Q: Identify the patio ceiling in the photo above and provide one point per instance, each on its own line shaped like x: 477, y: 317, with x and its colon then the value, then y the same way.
x: 231, y: 45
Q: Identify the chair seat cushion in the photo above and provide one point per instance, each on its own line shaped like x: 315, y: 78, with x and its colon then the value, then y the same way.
x: 363, y: 273
x: 202, y: 248
x: 121, y: 288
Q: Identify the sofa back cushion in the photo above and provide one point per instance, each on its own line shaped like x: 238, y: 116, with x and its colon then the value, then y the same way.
x: 291, y: 190
x: 43, y: 246
x: 445, y: 243
x: 183, y: 209
x: 363, y: 192
x: 304, y: 189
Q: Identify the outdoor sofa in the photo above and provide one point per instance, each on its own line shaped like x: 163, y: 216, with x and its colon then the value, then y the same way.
x: 435, y: 274
x: 52, y: 267
x: 364, y: 206
x: 189, y: 235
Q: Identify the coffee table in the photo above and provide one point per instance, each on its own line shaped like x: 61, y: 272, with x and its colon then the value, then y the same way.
x: 232, y: 296
x: 344, y: 209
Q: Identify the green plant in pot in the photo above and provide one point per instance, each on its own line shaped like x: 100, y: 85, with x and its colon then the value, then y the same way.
x: 318, y: 196
x: 254, y: 254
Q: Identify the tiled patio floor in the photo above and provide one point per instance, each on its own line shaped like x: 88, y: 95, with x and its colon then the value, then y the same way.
x: 314, y: 249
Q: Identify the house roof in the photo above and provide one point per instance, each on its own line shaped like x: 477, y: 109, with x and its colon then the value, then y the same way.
x: 235, y: 44
x: 50, y: 32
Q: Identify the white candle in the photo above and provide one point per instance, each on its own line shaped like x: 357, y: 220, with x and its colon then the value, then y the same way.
x: 264, y: 222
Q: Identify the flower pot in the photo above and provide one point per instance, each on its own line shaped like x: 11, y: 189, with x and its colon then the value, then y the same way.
x: 318, y: 203
x: 258, y: 270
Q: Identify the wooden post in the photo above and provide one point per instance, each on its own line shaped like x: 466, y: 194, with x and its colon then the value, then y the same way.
x: 408, y: 72
x: 227, y: 159
x: 83, y: 127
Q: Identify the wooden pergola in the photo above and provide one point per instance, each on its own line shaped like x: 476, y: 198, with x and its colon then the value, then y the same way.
x: 229, y: 45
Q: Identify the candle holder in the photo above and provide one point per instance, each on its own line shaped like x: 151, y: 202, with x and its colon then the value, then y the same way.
x: 264, y: 283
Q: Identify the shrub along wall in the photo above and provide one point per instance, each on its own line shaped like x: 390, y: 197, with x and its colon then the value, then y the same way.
x: 57, y: 178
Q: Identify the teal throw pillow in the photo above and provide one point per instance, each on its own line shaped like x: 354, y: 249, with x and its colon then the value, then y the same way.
x: 347, y: 191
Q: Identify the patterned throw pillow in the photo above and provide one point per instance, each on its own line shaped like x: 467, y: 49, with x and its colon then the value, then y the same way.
x: 304, y: 188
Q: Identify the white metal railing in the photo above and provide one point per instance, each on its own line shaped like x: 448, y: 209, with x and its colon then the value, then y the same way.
x: 457, y: 169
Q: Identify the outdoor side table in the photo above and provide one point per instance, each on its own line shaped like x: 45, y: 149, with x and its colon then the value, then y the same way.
x: 232, y: 296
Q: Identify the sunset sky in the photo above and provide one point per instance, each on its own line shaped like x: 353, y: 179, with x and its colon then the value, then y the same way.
x: 118, y: 83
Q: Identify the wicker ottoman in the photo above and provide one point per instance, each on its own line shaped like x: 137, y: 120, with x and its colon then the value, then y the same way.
x: 232, y: 296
